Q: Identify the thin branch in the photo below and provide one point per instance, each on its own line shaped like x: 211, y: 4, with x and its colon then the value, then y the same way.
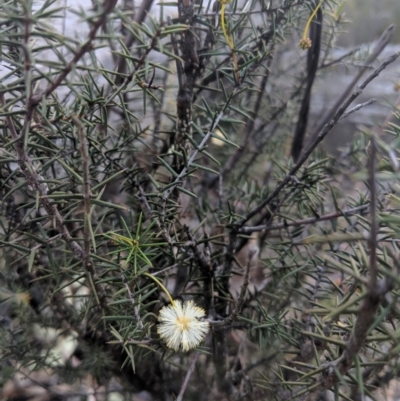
x: 199, y: 148
x: 27, y: 64
x: 338, y: 60
x: 123, y: 83
x: 187, y: 377
x: 357, y: 107
x: 107, y: 8
x: 324, y: 132
x: 249, y: 128
x: 34, y: 181
x: 382, y: 42
x: 120, y: 65
x: 136, y: 309
x: 149, y: 213
x: 309, y: 220
x: 47, y: 241
x: 373, y: 240
x: 243, y: 289
x: 87, y: 230
x: 85, y: 188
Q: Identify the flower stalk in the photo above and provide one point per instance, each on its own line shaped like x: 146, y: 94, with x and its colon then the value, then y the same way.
x: 161, y: 285
x: 305, y: 42
x: 229, y: 38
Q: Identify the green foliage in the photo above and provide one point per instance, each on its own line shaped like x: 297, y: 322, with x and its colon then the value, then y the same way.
x: 149, y: 161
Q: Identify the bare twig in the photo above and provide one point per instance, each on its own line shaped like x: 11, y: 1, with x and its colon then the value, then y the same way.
x: 324, y: 132
x: 135, y: 306
x: 373, y: 241
x: 200, y: 147
x: 357, y: 107
x: 309, y: 220
x: 187, y: 377
x: 120, y: 65
x: 86, y: 187
x: 34, y: 181
x: 148, y: 212
x: 107, y: 8
x: 249, y: 128
x: 338, y: 60
x: 243, y: 289
x: 382, y: 42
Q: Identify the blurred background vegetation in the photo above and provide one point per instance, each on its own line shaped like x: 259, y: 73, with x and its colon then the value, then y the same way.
x: 366, y: 19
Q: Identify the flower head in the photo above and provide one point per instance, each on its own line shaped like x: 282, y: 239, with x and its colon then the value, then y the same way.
x: 180, y: 325
x: 305, y: 43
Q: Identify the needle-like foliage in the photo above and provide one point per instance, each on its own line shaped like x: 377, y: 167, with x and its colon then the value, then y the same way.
x: 159, y: 162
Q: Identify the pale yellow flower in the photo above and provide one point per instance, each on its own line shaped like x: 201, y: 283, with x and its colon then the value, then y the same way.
x: 180, y: 325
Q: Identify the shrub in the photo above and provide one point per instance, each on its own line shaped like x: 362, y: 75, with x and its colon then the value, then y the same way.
x: 167, y: 231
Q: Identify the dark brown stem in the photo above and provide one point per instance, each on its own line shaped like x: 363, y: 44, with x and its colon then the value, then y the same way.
x: 312, y: 67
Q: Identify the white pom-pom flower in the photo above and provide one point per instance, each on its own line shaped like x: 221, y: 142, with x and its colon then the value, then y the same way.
x: 181, y: 327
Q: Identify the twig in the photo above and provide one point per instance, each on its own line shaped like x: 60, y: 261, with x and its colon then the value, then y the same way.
x: 338, y: 60
x: 87, y: 261
x: 120, y: 65
x: 123, y: 83
x: 148, y: 211
x: 243, y: 289
x: 373, y: 241
x: 324, y: 132
x: 27, y: 64
x: 47, y: 241
x: 33, y: 179
x: 107, y: 8
x: 187, y: 377
x: 86, y: 187
x: 378, y: 48
x: 249, y: 128
x: 357, y: 107
x: 309, y: 220
x: 135, y: 307
x: 199, y: 148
